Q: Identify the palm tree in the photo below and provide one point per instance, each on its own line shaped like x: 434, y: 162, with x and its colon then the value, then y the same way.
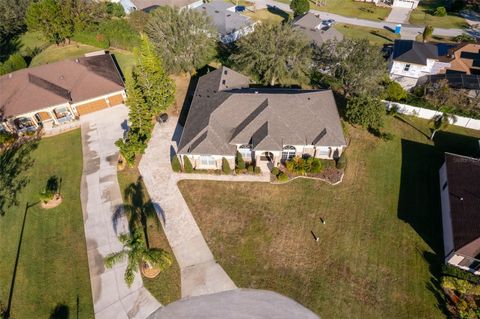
x: 137, y: 209
x: 441, y: 121
x: 136, y: 251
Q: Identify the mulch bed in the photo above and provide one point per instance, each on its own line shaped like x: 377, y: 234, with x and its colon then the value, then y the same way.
x: 54, y: 202
x: 329, y: 174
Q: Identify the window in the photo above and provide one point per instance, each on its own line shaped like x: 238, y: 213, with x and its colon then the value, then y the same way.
x: 407, y: 67
x: 207, y: 161
x: 323, y: 151
x: 246, y: 151
x: 288, y: 152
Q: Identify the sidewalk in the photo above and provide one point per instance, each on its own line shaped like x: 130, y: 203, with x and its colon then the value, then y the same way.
x: 200, y: 273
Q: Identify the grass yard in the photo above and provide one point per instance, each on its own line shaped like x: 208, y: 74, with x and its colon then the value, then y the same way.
x: 32, y: 40
x: 377, y: 253
x: 373, y: 35
x: 166, y: 286
x: 350, y: 8
x: 270, y: 15
x: 424, y: 15
x: 437, y: 38
x: 52, y: 270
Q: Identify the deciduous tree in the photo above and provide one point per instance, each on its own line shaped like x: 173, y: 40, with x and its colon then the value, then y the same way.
x: 427, y: 33
x: 365, y: 111
x: 12, y: 18
x: 185, y: 39
x: 353, y: 66
x: 275, y: 54
x: 299, y: 7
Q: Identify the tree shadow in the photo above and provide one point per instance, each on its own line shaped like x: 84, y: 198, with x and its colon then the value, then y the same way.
x: 404, y: 120
x: 61, y: 311
x: 279, y: 12
x: 9, y: 47
x: 433, y: 285
x: 15, y: 160
x: 375, y: 33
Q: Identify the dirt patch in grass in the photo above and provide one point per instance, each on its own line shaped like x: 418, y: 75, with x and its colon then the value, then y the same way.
x: 182, y: 82
x: 380, y: 223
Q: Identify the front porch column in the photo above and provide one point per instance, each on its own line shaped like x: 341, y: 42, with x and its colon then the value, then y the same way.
x: 53, y: 116
x: 69, y: 107
x: 34, y: 120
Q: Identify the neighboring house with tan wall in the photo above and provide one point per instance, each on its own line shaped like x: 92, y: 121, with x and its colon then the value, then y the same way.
x: 266, y: 125
x: 460, y: 198
x: 54, y: 94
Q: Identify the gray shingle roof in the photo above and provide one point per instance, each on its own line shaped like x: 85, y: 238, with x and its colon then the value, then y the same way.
x: 224, y: 20
x: 222, y: 116
x: 311, y: 26
x: 418, y: 52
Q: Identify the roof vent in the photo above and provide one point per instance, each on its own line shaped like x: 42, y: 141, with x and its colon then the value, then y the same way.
x: 223, y: 82
x: 10, y: 75
x: 76, y: 60
x: 256, y: 92
x: 216, y: 11
x: 61, y: 77
x: 229, y: 15
x: 308, y: 98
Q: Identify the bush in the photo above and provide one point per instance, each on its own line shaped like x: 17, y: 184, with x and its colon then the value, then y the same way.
x: 115, y: 9
x: 299, y: 165
x: 440, y: 12
x: 460, y: 285
x: 257, y: 170
x: 120, y: 34
x: 275, y: 171
x: 15, y: 62
x: 93, y: 38
x: 250, y: 168
x: 464, y: 37
x: 460, y: 273
x: 6, y: 137
x: 326, y: 163
x: 427, y: 33
x: 282, y: 177
x: 187, y: 165
x: 342, y: 161
x: 394, y: 92
x: 176, y: 166
x: 239, y: 161
x: 365, y: 111
x: 225, y: 166
x: 138, y: 20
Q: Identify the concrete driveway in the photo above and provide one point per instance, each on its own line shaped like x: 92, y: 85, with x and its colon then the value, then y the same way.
x: 100, y: 194
x: 399, y: 15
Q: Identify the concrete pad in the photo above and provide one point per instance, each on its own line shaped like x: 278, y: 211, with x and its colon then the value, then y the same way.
x: 101, y: 197
x: 399, y: 15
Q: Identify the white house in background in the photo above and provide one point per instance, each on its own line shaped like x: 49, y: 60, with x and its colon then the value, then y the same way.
x: 411, y: 60
x: 230, y: 25
x: 147, y: 5
x: 410, y: 4
x: 460, y: 197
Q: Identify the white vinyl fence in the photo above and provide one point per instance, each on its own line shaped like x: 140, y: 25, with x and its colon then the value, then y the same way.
x: 429, y: 114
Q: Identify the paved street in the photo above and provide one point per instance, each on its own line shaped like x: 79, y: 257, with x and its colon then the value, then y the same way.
x: 100, y: 194
x: 200, y: 273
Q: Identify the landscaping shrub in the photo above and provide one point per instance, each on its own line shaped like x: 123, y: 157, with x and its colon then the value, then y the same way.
x: 176, y: 166
x: 275, y: 171
x: 460, y: 285
x: 394, y: 92
x: 460, y: 273
x: 440, y: 12
x: 299, y: 165
x: 15, y: 62
x: 120, y: 34
x: 187, y: 165
x: 239, y: 161
x: 342, y: 161
x: 6, y: 137
x: 225, y: 166
x: 250, y: 168
x: 115, y: 9
x: 282, y: 177
x: 326, y: 163
x: 257, y: 170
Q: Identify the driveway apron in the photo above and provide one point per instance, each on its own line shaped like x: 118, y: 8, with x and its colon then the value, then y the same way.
x: 101, y: 197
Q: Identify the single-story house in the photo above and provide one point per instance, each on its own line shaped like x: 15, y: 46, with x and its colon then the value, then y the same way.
x: 230, y: 25
x: 315, y: 30
x: 265, y: 125
x: 460, y: 197
x: 409, y: 4
x: 55, y: 93
x: 147, y: 5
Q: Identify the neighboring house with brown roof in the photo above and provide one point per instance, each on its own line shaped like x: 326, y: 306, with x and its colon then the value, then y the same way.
x: 52, y: 94
x: 460, y: 197
x: 317, y: 32
x: 264, y: 124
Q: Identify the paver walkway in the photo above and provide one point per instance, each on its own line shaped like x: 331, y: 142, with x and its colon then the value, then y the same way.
x: 200, y: 274
x: 101, y: 196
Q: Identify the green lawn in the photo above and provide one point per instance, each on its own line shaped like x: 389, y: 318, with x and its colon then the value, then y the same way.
x: 350, y: 8
x: 165, y: 287
x: 377, y: 253
x: 52, y: 267
x: 270, y: 15
x: 32, y: 40
x: 374, y: 36
x: 423, y: 15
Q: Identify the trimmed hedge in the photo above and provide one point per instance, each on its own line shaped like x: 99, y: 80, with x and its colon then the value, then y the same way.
x: 282, y: 177
x: 257, y: 170
x: 225, y: 166
x: 275, y: 171
x: 176, y: 166
x: 239, y: 161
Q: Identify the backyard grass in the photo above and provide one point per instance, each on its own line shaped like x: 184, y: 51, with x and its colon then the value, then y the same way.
x: 32, y: 40
x: 377, y: 253
x: 166, y: 286
x: 437, y: 38
x: 270, y: 15
x: 350, y: 8
x: 423, y: 15
x: 374, y: 36
x: 52, y: 267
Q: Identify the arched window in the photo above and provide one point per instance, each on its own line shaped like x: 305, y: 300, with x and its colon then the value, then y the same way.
x: 246, y: 151
x: 288, y: 152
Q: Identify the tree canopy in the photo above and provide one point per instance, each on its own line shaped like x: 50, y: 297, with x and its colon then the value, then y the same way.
x: 299, y: 7
x: 275, y: 54
x: 353, y: 66
x: 185, y: 39
x: 12, y: 18
x: 365, y: 111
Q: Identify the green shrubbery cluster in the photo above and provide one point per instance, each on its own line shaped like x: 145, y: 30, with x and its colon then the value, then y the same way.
x: 342, y: 161
x: 187, y: 165
x: 239, y: 162
x: 176, y: 166
x: 225, y: 166
x: 13, y: 63
x: 300, y: 165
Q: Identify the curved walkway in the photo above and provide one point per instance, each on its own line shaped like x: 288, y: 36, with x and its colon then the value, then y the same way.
x: 200, y: 274
x: 100, y: 195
